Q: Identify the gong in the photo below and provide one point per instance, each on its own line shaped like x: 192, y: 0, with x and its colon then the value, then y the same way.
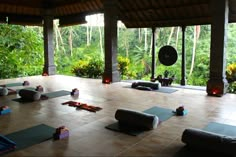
x: 167, y: 55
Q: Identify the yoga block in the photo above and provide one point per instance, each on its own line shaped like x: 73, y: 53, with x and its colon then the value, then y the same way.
x: 137, y: 119
x: 3, y: 91
x: 6, y: 111
x: 204, y: 140
x: 26, y: 83
x: 29, y: 95
x: 63, y: 135
x: 39, y: 88
x: 61, y: 132
x: 75, y: 92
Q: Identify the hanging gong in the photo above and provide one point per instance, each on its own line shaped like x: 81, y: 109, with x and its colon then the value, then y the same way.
x: 167, y: 55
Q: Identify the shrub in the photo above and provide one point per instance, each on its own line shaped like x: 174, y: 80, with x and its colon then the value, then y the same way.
x: 231, y: 77
x: 91, y: 68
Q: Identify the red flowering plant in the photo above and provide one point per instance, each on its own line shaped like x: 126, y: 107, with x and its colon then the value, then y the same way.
x: 231, y: 77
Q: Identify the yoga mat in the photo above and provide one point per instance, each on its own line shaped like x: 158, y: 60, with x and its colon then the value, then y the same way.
x: 218, y: 128
x: 56, y: 94
x: 31, y: 136
x: 166, y: 90
x: 161, y: 89
x: 45, y: 96
x: 162, y: 113
x: 12, y: 84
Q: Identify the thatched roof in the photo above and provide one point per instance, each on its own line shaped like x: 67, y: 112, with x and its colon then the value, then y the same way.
x: 133, y: 13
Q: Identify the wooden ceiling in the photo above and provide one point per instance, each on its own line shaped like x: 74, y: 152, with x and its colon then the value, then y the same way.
x: 133, y: 13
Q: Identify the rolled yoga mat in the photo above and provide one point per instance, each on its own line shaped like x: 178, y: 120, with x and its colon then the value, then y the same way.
x: 137, y: 119
x: 204, y: 140
x: 29, y: 95
x: 3, y: 91
x: 151, y: 85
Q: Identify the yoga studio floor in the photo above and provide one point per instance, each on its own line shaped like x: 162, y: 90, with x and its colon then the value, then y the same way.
x: 88, y: 135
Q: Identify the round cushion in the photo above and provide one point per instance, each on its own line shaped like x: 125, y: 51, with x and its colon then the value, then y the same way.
x: 137, y: 119
x: 204, y: 140
x: 29, y: 95
x: 3, y: 91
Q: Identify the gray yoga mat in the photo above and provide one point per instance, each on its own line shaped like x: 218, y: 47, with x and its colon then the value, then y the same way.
x: 162, y: 113
x: 31, y: 136
x: 219, y: 128
x: 48, y: 95
x: 13, y: 84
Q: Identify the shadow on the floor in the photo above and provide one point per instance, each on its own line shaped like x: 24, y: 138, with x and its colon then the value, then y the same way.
x: 187, y: 152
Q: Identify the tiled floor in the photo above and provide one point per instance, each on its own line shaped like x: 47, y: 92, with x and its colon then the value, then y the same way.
x: 88, y: 137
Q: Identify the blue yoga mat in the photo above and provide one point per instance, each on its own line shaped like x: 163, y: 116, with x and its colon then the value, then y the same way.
x: 13, y: 84
x: 30, y: 136
x: 219, y: 128
x: 162, y: 113
x: 46, y: 96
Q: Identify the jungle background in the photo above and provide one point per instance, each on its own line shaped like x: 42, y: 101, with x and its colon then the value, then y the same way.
x: 79, y: 51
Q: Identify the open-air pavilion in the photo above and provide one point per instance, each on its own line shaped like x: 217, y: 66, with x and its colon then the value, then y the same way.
x: 88, y: 137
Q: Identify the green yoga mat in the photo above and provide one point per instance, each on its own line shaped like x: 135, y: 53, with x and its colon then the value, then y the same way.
x: 161, y: 89
x: 162, y: 113
x: 166, y: 90
x: 47, y: 95
x: 219, y: 128
x: 31, y: 136
x: 13, y: 84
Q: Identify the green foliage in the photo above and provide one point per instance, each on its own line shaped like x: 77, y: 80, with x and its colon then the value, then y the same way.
x: 21, y: 51
x: 123, y: 64
x: 90, y: 67
x: 231, y: 77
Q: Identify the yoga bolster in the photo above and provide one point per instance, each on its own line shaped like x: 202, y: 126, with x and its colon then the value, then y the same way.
x: 205, y: 140
x: 137, y: 119
x: 3, y: 91
x: 29, y: 95
x: 146, y: 84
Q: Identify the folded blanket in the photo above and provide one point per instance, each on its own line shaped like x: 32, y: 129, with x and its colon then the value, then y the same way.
x: 84, y: 106
x: 6, y: 144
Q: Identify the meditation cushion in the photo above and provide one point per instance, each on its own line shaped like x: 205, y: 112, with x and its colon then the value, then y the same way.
x: 6, y: 144
x: 204, y: 140
x: 29, y: 95
x: 136, y: 119
x: 3, y: 91
x: 151, y: 85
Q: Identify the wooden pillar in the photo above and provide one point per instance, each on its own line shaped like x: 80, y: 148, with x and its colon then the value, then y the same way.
x: 183, y: 65
x: 153, y: 53
x: 111, y: 73
x: 217, y: 84
x: 49, y: 65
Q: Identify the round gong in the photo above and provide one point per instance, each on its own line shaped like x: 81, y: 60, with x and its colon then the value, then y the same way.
x: 167, y: 55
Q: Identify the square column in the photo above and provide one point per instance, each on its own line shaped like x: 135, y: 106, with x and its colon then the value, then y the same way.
x: 111, y: 73
x: 49, y: 65
x: 217, y: 84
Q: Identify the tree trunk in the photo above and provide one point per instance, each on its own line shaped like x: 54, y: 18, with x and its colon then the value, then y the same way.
x: 177, y: 38
x: 56, y: 35
x: 88, y: 42
x: 195, y: 38
x: 145, y: 37
x: 70, y: 39
x: 101, y: 39
x: 170, y: 36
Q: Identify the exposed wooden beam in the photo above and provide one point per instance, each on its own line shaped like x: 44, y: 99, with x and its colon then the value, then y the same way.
x: 166, y: 23
x: 25, y: 20
x: 72, y: 20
